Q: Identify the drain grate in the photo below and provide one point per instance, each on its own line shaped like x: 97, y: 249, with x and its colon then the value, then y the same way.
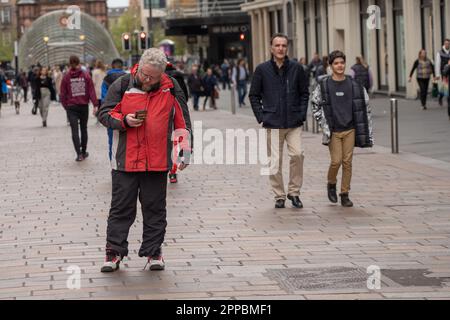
x: 323, y: 278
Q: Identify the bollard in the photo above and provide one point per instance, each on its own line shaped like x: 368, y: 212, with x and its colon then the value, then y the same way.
x: 394, y: 125
x: 315, y: 125
x: 233, y: 99
x: 305, y: 124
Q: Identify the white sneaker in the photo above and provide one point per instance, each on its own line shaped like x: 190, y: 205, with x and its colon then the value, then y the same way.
x: 156, y: 263
x: 112, y: 262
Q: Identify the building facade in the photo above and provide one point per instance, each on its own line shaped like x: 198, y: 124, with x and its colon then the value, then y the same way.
x: 7, y: 29
x: 388, y: 33
x: 156, y: 14
x: 29, y: 10
x: 215, y: 30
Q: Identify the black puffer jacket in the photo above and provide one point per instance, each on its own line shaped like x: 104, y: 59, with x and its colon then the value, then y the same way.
x: 279, y: 100
x: 362, y: 113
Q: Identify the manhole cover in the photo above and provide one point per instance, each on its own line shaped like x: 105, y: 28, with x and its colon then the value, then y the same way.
x: 323, y: 278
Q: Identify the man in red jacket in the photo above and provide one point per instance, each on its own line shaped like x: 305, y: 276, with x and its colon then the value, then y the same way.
x: 77, y: 89
x: 143, y: 113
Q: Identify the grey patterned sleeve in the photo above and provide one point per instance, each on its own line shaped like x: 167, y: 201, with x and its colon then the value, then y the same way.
x: 369, y: 116
x: 316, y: 98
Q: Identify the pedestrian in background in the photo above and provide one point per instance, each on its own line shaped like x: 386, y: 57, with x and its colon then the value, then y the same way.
x: 279, y: 97
x: 446, y: 73
x: 211, y: 89
x: 442, y: 58
x: 77, y: 89
x: 225, y: 68
x: 314, y: 64
x: 98, y: 75
x: 23, y: 84
x: 362, y: 74
x: 341, y: 106
x: 57, y: 76
x: 195, y: 85
x: 425, y: 69
x: 240, y: 79
x: 44, y: 93
x: 33, y: 74
x: 323, y: 69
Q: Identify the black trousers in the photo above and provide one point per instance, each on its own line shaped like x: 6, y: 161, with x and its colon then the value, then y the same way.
x: 423, y: 85
x: 79, y: 114
x: 150, y: 187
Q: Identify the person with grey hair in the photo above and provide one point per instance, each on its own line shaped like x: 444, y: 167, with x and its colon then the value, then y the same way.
x: 143, y: 109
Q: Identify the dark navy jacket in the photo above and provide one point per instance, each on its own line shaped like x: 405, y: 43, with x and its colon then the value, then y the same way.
x: 279, y: 99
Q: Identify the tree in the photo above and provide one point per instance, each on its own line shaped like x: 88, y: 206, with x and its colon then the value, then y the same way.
x: 128, y: 22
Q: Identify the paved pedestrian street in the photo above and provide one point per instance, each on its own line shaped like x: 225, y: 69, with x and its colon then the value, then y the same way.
x: 224, y: 238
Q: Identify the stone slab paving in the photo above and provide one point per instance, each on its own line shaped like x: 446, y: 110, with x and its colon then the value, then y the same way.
x: 224, y: 238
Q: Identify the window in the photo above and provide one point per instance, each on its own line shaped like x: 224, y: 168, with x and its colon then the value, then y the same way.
x: 6, y: 38
x: 156, y: 4
x: 318, y: 23
x: 426, y: 15
x: 382, y: 53
x: 273, y: 28
x: 363, y: 16
x: 280, y: 21
x: 307, y: 28
x: 443, y: 22
x: 328, y: 29
x: 5, y: 15
x: 290, y: 24
x: 400, y: 58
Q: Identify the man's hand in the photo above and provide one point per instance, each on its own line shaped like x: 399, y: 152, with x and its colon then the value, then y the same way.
x: 132, y: 121
x: 94, y: 111
x: 182, y: 166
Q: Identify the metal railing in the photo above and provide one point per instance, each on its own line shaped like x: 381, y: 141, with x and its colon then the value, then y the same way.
x: 204, y: 8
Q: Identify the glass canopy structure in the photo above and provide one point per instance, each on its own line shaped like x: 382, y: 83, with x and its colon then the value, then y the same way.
x: 49, y: 42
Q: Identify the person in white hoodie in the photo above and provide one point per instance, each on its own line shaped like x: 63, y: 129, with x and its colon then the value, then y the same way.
x: 442, y: 59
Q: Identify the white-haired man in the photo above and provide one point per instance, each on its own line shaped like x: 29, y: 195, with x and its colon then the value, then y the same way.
x: 143, y: 111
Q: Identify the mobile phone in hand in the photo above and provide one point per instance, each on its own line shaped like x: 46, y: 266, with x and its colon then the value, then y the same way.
x: 141, y: 114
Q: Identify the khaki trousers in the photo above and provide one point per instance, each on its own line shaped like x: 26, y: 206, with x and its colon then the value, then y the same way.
x: 341, y: 151
x: 293, y: 138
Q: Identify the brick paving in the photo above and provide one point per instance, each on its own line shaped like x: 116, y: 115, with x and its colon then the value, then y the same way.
x: 223, y: 235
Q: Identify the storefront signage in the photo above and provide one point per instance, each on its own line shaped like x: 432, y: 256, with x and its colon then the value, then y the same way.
x: 230, y: 29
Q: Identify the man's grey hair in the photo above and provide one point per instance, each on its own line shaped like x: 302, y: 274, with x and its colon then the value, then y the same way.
x: 154, y: 57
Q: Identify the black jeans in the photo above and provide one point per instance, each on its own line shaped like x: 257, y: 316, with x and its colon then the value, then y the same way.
x: 213, y: 100
x: 150, y: 187
x: 75, y: 114
x: 423, y: 85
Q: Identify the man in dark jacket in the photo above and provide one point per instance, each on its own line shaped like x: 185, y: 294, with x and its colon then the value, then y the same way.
x: 279, y: 98
x: 77, y: 88
x: 143, y: 115
x: 341, y: 106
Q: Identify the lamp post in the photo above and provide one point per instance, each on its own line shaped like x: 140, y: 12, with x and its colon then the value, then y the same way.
x: 83, y: 38
x: 46, y: 39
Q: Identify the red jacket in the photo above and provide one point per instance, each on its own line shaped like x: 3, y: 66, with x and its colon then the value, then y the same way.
x: 77, y: 88
x: 148, y: 147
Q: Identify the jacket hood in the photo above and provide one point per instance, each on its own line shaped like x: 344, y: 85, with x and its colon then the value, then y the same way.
x: 75, y: 72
